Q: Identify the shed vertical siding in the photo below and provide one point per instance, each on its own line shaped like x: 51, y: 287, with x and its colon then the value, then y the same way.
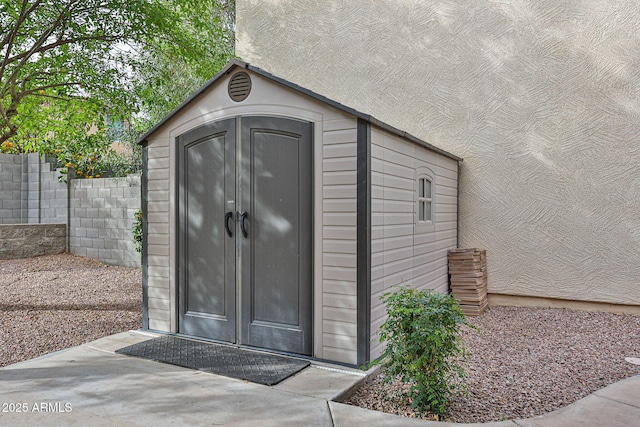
x: 335, y: 136
x: 401, y: 253
x: 339, y: 270
x: 397, y: 256
x: 158, y: 259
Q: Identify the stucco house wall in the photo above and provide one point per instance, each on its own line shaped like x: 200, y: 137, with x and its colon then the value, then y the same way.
x: 541, y: 99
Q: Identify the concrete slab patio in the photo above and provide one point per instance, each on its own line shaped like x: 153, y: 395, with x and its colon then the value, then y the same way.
x: 90, y: 385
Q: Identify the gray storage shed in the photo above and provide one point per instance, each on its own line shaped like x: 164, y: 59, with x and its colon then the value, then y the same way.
x: 275, y: 218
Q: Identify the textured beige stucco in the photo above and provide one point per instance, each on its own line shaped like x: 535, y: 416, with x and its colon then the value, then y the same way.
x: 541, y: 99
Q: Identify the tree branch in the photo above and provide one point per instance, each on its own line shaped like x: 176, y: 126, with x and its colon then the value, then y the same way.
x: 62, y: 42
x: 39, y: 42
x: 12, y: 131
x: 38, y: 89
x: 16, y: 97
x: 23, y: 16
x: 58, y: 98
x: 10, y: 37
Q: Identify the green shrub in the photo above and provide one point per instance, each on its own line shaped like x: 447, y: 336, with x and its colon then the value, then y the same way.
x: 424, y: 346
x: 137, y: 230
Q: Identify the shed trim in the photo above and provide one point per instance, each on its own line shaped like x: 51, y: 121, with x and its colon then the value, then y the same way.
x: 237, y: 63
x: 363, y: 245
x: 145, y: 232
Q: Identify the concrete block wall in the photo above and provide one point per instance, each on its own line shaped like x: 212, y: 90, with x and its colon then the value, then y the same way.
x: 30, y: 192
x: 102, y: 213
x: 99, y: 212
x: 31, y: 188
x: 54, y: 200
x: 30, y: 240
x: 10, y: 189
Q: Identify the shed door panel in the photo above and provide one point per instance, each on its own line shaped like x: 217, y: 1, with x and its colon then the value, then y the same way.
x: 207, y: 180
x: 276, y: 255
x: 273, y: 186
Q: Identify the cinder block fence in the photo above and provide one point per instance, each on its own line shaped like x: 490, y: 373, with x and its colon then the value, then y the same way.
x: 30, y: 192
x: 95, y: 216
x: 30, y: 240
x: 101, y: 216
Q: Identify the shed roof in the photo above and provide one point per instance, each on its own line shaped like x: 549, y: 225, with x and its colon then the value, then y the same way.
x: 236, y: 63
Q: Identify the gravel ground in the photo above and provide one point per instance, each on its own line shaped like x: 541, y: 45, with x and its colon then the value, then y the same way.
x: 529, y: 361
x: 523, y: 361
x: 54, y: 302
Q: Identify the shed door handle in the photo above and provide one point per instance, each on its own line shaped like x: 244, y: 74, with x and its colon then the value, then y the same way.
x: 227, y: 217
x: 243, y: 216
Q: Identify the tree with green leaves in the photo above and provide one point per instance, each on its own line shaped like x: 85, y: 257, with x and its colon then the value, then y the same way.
x: 65, y: 65
x: 167, y: 75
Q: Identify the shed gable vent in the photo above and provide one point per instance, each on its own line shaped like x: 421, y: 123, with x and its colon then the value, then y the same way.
x: 239, y: 86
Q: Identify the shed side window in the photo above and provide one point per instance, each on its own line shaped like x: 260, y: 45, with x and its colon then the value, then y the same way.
x: 424, y: 199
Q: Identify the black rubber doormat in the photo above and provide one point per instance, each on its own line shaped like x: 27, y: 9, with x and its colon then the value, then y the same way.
x: 254, y: 366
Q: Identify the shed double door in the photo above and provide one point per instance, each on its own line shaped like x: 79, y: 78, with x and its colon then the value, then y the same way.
x: 244, y: 212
